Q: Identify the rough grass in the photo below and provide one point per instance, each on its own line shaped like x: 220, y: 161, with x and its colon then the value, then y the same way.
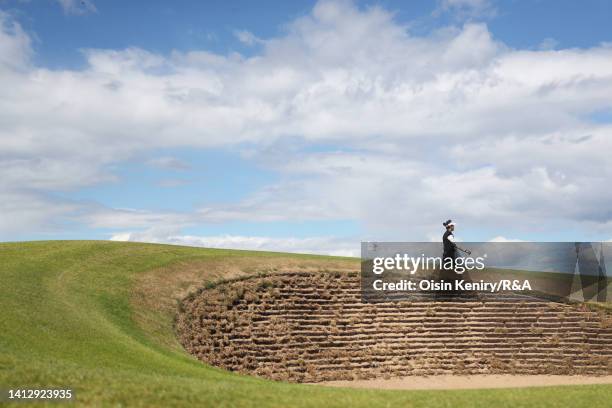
x: 80, y: 314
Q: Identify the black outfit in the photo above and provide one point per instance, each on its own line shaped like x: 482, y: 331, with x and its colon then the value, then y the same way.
x: 450, y: 248
x: 447, y: 275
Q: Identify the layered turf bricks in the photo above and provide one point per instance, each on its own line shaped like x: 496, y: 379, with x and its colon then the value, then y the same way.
x: 312, y: 327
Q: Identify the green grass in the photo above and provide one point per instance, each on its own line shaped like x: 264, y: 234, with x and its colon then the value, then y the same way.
x: 67, y: 320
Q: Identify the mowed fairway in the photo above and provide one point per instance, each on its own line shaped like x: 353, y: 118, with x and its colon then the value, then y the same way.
x: 97, y: 317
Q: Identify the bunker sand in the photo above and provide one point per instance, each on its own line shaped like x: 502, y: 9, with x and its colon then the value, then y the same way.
x: 460, y: 382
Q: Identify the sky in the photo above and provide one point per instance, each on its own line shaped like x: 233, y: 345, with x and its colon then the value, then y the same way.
x: 305, y: 126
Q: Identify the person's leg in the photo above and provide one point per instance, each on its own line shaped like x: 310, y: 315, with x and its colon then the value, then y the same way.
x: 448, y: 274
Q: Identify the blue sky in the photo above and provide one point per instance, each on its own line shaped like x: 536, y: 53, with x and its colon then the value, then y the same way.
x: 305, y: 126
x: 163, y: 26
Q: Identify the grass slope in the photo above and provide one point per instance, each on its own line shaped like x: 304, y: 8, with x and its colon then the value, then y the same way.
x: 80, y: 314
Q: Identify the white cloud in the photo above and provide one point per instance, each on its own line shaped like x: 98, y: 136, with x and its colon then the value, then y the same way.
x: 504, y: 239
x: 466, y: 8
x: 247, y: 37
x: 315, y: 245
x: 24, y: 211
x: 78, y: 7
x: 172, y: 182
x: 548, y: 44
x: 169, y: 163
x: 15, y: 46
x: 122, y: 218
x: 451, y: 124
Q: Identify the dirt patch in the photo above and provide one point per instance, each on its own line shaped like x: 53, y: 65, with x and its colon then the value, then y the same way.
x: 458, y: 382
x: 313, y: 327
x: 157, y: 293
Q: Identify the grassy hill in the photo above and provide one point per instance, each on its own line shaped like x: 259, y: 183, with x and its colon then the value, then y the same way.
x: 97, y: 317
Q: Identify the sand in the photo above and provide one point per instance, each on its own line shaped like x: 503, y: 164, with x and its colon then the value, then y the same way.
x: 448, y: 382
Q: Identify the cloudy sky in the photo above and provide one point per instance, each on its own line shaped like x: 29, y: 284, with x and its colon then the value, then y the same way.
x: 305, y: 126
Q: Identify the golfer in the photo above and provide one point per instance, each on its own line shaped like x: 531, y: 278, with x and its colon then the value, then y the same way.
x: 450, y: 249
x: 448, y: 242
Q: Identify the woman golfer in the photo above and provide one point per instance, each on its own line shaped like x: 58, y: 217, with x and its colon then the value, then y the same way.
x: 449, y: 257
x: 449, y: 246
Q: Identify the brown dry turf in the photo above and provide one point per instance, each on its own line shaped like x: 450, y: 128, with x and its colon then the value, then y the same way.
x: 312, y: 327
